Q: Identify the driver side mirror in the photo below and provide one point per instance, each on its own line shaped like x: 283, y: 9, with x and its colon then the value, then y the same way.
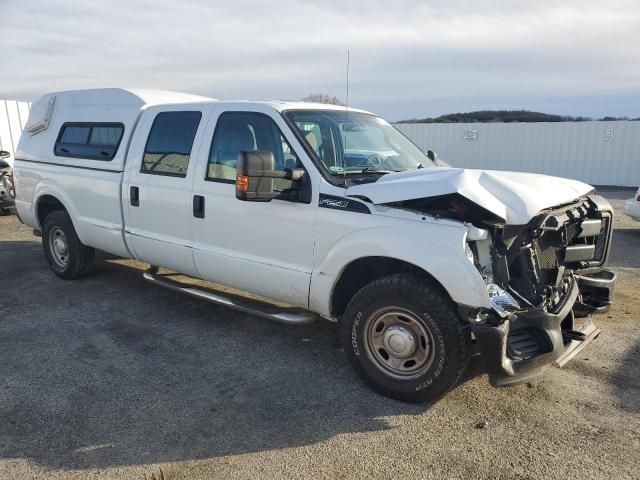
x: 255, y: 172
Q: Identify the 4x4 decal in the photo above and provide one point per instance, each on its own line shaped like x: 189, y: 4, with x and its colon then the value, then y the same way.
x: 341, y: 203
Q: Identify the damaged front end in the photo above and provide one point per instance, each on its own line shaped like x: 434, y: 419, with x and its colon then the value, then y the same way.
x: 543, y: 280
x: 540, y: 244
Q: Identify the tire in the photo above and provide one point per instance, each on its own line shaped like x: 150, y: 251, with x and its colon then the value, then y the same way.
x: 67, y: 256
x: 417, y: 318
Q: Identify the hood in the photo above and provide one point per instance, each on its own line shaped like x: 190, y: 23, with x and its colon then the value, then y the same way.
x: 515, y: 197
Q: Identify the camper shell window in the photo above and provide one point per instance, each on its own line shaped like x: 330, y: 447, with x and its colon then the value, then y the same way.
x: 96, y: 141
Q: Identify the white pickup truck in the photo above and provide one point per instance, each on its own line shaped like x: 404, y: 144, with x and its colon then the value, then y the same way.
x: 331, y: 211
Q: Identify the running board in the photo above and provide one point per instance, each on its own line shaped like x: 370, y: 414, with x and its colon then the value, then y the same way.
x: 292, y: 316
x: 590, y: 331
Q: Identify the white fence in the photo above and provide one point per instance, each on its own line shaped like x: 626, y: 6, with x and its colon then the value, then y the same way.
x: 599, y: 153
x: 13, y: 116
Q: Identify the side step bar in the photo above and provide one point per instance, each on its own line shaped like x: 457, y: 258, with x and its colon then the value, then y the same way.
x: 292, y: 316
x: 590, y: 332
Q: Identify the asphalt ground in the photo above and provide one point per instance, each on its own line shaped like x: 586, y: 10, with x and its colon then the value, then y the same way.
x: 111, y: 377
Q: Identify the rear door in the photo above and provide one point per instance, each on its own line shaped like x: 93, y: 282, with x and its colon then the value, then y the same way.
x: 157, y: 190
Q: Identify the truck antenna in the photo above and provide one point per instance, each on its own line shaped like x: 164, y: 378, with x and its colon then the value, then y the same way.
x: 346, y: 131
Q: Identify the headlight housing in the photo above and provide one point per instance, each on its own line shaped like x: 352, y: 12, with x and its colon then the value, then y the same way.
x: 501, y: 301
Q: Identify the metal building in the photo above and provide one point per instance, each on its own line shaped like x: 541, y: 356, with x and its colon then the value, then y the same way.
x: 13, y: 116
x: 599, y: 153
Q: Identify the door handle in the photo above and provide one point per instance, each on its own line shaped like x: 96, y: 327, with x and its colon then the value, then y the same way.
x: 198, y: 206
x: 134, y: 196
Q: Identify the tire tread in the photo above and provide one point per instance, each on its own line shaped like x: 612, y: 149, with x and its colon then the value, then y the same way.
x: 441, y: 308
x: 81, y: 257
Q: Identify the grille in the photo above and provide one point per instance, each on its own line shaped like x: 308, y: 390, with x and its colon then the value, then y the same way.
x: 536, y: 258
x: 549, y: 256
x: 601, y: 239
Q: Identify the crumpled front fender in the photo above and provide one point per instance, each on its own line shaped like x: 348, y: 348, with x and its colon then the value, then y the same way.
x: 438, y: 248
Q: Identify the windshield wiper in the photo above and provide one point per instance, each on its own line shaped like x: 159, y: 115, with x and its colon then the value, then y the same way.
x: 373, y: 170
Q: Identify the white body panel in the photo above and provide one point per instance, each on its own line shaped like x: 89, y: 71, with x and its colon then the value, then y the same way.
x: 262, y: 247
x: 632, y: 207
x: 91, y: 197
x: 159, y: 229
x: 436, y: 246
x: 513, y: 196
x: 289, y: 251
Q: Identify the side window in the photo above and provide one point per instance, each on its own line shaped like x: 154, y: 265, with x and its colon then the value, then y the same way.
x: 169, y: 144
x: 97, y: 141
x: 237, y: 131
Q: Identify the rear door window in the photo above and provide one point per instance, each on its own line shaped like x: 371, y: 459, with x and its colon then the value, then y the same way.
x: 170, y: 142
x: 95, y: 141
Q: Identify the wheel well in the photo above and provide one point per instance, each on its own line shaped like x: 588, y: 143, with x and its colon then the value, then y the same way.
x: 46, y: 205
x: 363, y: 271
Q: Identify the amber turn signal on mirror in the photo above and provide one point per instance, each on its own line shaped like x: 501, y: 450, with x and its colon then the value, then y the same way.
x: 242, y: 183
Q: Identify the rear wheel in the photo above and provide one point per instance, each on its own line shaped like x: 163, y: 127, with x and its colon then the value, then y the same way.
x: 65, y: 253
x: 404, y: 337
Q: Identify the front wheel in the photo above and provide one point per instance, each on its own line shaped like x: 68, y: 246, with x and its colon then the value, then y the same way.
x: 404, y: 337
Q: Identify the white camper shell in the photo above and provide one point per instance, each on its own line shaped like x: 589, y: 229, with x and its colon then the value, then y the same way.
x: 106, y: 105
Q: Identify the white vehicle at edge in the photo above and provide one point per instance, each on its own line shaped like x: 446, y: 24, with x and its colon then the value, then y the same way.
x: 333, y: 212
x: 632, y: 207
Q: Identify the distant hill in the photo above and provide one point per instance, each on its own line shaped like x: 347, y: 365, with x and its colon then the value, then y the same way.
x: 505, y: 116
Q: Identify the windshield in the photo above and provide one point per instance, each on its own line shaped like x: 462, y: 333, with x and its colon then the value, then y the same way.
x: 356, y: 142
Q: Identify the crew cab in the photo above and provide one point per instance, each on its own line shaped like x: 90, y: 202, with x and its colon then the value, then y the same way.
x: 331, y: 211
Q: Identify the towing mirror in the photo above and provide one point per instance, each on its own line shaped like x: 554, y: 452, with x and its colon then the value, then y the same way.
x: 255, y: 172
x: 254, y: 176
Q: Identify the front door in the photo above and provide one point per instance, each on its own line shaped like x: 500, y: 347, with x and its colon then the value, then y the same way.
x: 157, y: 187
x: 261, y: 247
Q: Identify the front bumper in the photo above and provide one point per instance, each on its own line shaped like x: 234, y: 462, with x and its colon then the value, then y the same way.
x: 520, y: 348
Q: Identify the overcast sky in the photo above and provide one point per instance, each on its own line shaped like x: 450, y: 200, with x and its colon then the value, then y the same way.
x: 408, y: 58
